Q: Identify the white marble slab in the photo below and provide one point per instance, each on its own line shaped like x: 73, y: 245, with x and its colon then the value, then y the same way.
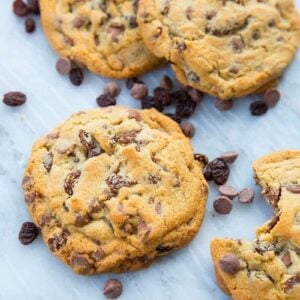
x: 27, y: 64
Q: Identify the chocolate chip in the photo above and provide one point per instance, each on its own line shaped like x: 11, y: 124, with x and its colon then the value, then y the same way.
x: 223, y: 205
x: 98, y: 254
x: 31, y: 197
x: 47, y: 161
x: 228, y: 191
x: 105, y: 100
x: 133, y: 114
x: 82, y: 220
x: 116, y: 30
x: 185, y: 106
x: 272, y: 97
x: 237, y: 44
x: 223, y: 105
x: 80, y: 21
x: 46, y: 219
x: 181, y: 46
x: 91, y: 146
x: 63, y: 66
x: 58, y: 241
x: 151, y: 102
x: 29, y: 25
x: 34, y: 6
x: 203, y: 159
x: 246, y: 195
x: 113, y: 288
x: 131, y: 81
x: 70, y: 181
x: 196, y: 95
x: 166, y: 83
x: 293, y: 188
x: 126, y: 137
x: 173, y: 117
x: 112, y: 89
x: 290, y: 283
x: 14, y: 98
x: 163, y: 249
x: 286, y: 259
x: 20, y: 8
x: 138, y: 91
x: 115, y: 182
x: 132, y: 22
x: 76, y: 76
x: 188, y: 129
x: 234, y: 70
x: 217, y: 170
x: 95, y: 206
x: 229, y: 263
x: 229, y: 156
x: 80, y: 264
x: 210, y: 14
x: 258, y: 108
x: 28, y: 233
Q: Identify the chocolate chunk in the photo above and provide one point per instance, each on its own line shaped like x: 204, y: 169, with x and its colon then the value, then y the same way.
x: 63, y: 66
x: 223, y: 205
x: 116, y: 30
x: 258, y: 108
x: 272, y: 97
x: 80, y: 21
x: 229, y: 263
x: 80, y: 263
x: 133, y: 114
x: 229, y: 156
x: 112, y: 89
x: 28, y: 233
x: 293, y: 188
x: 48, y: 161
x: 82, y: 220
x: 237, y: 44
x: 126, y: 137
x: 27, y: 182
x: 91, y: 146
x: 217, y: 170
x: 223, y: 105
x: 14, y: 98
x: 95, y: 206
x: 203, y: 159
x: 58, y: 241
x: 70, y: 181
x: 106, y: 100
x: 162, y: 96
x: 196, y: 95
x: 31, y: 197
x: 98, y: 254
x: 131, y: 81
x: 185, y: 105
x: 20, y: 8
x: 151, y: 102
x: 34, y: 6
x: 154, y: 179
x: 246, y: 195
x: 210, y: 14
x: 113, y: 288
x: 286, y: 259
x: 115, y: 182
x: 166, y: 83
x: 138, y: 91
x: 228, y: 191
x: 290, y: 283
x: 188, y: 129
x: 76, y: 76
x: 29, y: 25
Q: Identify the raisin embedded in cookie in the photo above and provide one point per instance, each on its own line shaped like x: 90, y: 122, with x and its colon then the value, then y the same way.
x: 113, y: 188
x: 269, y: 267
x: 225, y: 48
x: 102, y: 35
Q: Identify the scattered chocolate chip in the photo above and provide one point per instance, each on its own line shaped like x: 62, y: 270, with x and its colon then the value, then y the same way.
x: 223, y: 205
x: 20, y: 8
x: 229, y: 263
x: 286, y: 259
x: 131, y: 81
x: 188, y: 129
x: 228, y: 191
x: 258, y: 108
x: 34, y: 6
x: 29, y: 25
x: 46, y: 219
x: 237, y: 44
x: 133, y: 114
x: 82, y: 220
x: 28, y: 233
x: 223, y: 105
x: 70, y: 181
x: 229, y: 156
x: 80, y: 263
x: 246, y: 195
x: 163, y: 249
x: 217, y: 170
x: 162, y: 96
x: 57, y: 241
x: 151, y: 102
x: 293, y: 188
x: 63, y: 66
x: 196, y: 95
x: 91, y: 146
x: 14, y: 98
x: 106, y: 100
x: 166, y: 83
x: 203, y: 159
x: 31, y: 197
x: 185, y: 105
x: 112, y: 89
x: 290, y: 283
x: 173, y: 117
x: 272, y: 97
x: 113, y: 288
x: 79, y: 21
x: 139, y: 91
x: 116, y: 30
x: 76, y: 76
x: 47, y: 161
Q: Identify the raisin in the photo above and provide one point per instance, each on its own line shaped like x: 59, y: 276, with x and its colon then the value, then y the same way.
x: 70, y: 181
x: 76, y: 76
x: 106, y: 100
x: 34, y: 6
x: 14, y: 98
x: 217, y: 170
x: 162, y: 96
x: 28, y: 233
x: 258, y: 108
x: 115, y: 182
x: 151, y: 102
x: 90, y: 144
x: 185, y: 106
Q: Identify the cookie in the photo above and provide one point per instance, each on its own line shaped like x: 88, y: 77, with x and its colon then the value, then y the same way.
x: 101, y: 35
x: 113, y: 188
x: 224, y: 48
x: 269, y: 267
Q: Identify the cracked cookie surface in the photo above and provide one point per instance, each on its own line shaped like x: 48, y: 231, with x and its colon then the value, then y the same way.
x: 225, y: 48
x: 113, y: 188
x: 100, y: 34
x: 269, y: 267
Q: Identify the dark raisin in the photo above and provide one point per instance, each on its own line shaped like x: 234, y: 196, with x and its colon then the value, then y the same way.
x: 258, y: 108
x: 20, y: 8
x: 29, y: 25
x: 131, y: 81
x: 185, y: 106
x: 151, y: 102
x: 106, y: 100
x: 76, y: 76
x: 162, y: 95
x: 28, y: 233
x: 34, y: 6
x: 14, y: 98
x: 91, y: 146
x: 70, y: 181
x: 162, y: 249
x: 217, y: 170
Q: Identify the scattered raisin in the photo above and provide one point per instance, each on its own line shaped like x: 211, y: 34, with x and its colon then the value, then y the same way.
x: 89, y: 143
x: 28, y: 233
x: 76, y: 76
x: 258, y: 108
x: 70, y: 181
x: 162, y: 96
x: 106, y: 100
x: 14, y: 98
x: 217, y: 170
x: 151, y: 102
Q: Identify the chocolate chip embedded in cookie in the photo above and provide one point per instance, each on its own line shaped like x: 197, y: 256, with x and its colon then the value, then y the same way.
x: 113, y: 188
x: 267, y: 268
x: 224, y: 48
x: 102, y: 35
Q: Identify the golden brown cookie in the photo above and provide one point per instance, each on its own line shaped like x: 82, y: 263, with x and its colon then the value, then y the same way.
x: 269, y: 267
x: 102, y: 35
x: 224, y: 48
x: 113, y: 188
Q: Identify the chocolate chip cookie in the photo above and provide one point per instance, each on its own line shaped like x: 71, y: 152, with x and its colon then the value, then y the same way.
x: 100, y: 34
x: 113, y: 188
x: 269, y: 267
x: 225, y: 48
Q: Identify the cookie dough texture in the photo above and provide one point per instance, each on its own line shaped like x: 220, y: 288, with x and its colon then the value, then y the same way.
x: 100, y: 34
x: 270, y: 266
x: 224, y: 48
x: 113, y: 188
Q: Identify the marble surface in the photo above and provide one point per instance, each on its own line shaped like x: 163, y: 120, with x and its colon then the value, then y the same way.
x: 27, y: 64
